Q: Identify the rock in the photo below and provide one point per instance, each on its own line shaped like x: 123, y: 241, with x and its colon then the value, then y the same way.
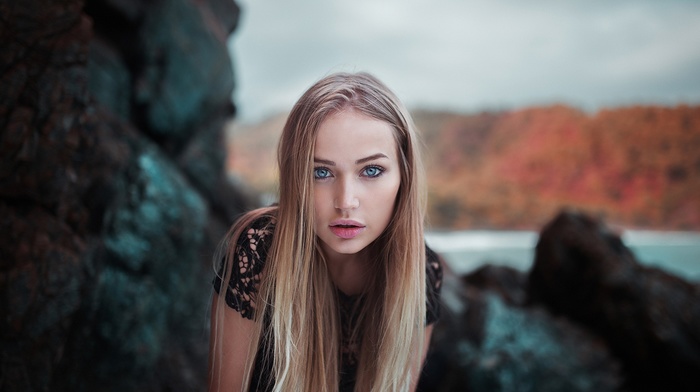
x: 184, y: 75
x: 509, y: 283
x: 650, y: 319
x: 112, y: 190
x: 109, y: 78
x: 486, y: 343
x: 44, y: 222
x: 202, y: 165
x: 42, y: 282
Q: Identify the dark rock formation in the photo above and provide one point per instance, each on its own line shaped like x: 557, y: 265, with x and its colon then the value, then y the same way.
x: 586, y: 317
x: 509, y: 283
x: 486, y: 341
x: 112, y: 191
x: 649, y: 319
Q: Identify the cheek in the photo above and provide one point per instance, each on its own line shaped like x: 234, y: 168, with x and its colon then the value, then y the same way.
x: 390, y: 195
x: 322, y: 204
x: 318, y: 204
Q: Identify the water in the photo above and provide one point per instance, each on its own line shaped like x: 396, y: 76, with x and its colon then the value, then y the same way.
x: 464, y: 251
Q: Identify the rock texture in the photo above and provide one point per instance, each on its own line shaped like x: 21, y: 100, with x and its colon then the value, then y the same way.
x: 649, y: 319
x: 488, y: 340
x: 586, y: 317
x: 112, y: 191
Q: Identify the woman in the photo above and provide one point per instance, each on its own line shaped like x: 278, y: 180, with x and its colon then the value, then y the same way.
x: 333, y: 289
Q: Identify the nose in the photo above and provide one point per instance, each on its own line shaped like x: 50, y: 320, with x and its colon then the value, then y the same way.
x: 346, y: 197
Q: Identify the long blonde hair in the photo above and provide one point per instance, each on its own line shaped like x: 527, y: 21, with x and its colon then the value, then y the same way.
x: 297, y: 315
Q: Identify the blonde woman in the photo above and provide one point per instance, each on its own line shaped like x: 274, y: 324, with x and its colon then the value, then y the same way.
x: 334, y: 288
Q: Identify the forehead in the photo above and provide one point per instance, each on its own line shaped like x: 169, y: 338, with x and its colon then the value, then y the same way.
x: 354, y: 135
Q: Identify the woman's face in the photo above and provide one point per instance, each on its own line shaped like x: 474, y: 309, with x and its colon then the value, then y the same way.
x: 357, y: 178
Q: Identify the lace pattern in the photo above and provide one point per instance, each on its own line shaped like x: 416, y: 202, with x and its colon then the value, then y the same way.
x: 433, y: 275
x: 249, y: 259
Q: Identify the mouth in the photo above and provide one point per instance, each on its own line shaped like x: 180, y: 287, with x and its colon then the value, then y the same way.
x: 346, y: 229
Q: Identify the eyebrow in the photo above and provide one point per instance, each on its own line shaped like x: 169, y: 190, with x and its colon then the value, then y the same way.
x: 357, y: 162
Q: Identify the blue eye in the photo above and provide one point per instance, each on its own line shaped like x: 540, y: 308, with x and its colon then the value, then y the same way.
x: 321, y: 173
x: 372, y: 171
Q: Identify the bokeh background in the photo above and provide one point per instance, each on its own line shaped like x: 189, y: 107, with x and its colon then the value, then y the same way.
x: 472, y: 55
x: 134, y: 133
x: 524, y: 107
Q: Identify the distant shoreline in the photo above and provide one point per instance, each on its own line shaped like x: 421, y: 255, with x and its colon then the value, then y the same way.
x: 676, y: 252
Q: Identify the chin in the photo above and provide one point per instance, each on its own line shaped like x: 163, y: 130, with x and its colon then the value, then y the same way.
x: 348, y: 249
x: 344, y: 247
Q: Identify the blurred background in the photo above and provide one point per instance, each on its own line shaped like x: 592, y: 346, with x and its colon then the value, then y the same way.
x: 563, y: 152
x: 525, y: 108
x: 472, y: 55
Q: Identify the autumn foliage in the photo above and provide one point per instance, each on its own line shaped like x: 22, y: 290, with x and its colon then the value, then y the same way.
x: 635, y: 167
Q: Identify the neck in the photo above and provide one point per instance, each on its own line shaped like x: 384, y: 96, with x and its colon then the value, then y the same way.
x: 347, y: 271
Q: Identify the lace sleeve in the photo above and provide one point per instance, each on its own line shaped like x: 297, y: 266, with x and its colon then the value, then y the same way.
x: 433, y: 274
x: 248, y: 262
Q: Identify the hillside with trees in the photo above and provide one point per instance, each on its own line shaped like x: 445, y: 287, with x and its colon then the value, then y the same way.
x: 635, y: 167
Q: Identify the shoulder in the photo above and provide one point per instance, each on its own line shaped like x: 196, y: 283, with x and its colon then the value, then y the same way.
x: 243, y: 261
x: 256, y: 232
x: 433, y: 277
x: 433, y: 267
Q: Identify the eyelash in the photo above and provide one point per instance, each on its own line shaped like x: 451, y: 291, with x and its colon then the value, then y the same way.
x: 380, y: 171
x: 317, y: 169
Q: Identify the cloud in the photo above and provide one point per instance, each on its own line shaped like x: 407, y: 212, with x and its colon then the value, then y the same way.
x: 471, y: 55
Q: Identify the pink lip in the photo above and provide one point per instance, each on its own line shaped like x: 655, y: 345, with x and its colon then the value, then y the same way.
x: 346, y: 229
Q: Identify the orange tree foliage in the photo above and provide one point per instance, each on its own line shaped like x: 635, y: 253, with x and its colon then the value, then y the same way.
x: 635, y: 166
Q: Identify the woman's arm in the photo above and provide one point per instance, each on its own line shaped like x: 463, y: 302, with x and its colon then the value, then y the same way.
x: 426, y: 344
x: 229, y: 348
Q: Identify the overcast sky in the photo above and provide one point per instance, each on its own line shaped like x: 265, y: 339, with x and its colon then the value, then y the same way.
x: 471, y: 55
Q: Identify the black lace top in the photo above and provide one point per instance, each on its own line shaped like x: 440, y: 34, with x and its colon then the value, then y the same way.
x: 251, y: 253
